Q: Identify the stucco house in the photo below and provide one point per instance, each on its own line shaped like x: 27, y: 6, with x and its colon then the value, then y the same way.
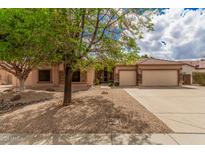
x: 52, y: 75
x: 149, y: 72
x: 145, y: 72
x: 191, y: 66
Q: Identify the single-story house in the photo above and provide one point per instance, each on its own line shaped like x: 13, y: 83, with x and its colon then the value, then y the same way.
x: 191, y: 66
x: 149, y: 72
x: 50, y: 76
x: 146, y: 72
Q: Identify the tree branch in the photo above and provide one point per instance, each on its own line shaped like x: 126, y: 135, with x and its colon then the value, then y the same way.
x: 5, y: 66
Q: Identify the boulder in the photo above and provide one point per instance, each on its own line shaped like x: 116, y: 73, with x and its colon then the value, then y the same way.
x: 9, y: 90
x: 104, y: 92
x: 15, y: 97
x: 1, y: 101
x: 50, y: 89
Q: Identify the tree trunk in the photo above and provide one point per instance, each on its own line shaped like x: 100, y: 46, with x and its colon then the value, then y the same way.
x: 21, y: 84
x: 67, y: 85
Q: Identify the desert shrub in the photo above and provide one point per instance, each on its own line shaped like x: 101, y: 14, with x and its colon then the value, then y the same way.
x: 116, y: 83
x: 110, y: 83
x: 50, y: 89
x: 199, y: 78
x: 97, y: 82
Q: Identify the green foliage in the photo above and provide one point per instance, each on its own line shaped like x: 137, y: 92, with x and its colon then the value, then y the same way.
x: 97, y: 81
x: 98, y: 37
x: 199, y: 78
x: 76, y: 37
x: 24, y: 35
x: 116, y: 84
x: 110, y: 83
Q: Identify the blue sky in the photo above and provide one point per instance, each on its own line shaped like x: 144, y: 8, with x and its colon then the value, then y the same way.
x: 178, y: 34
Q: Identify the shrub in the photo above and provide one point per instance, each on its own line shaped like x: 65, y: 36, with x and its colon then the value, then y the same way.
x: 97, y: 82
x: 15, y: 97
x: 116, y: 83
x: 50, y: 89
x: 110, y: 83
x: 199, y: 78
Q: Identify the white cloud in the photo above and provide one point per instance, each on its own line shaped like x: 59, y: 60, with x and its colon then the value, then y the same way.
x: 183, y: 31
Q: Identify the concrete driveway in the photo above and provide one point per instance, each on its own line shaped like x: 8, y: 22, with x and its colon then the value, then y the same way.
x: 181, y: 109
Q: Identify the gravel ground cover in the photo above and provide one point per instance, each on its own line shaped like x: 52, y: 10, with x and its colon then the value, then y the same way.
x: 96, y: 110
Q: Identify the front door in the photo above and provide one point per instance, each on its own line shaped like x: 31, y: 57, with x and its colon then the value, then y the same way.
x: 105, y: 76
x: 187, y: 79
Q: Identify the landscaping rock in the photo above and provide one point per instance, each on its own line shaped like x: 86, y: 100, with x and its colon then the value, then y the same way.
x: 104, y: 92
x: 1, y: 101
x: 50, y: 89
x: 15, y: 97
x: 11, y: 100
x: 8, y: 90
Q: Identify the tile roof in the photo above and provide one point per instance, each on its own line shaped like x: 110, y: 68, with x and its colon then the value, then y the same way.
x: 198, y: 64
x: 154, y: 61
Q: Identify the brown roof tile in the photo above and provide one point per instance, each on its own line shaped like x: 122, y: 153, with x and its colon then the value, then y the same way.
x: 198, y: 64
x: 154, y: 61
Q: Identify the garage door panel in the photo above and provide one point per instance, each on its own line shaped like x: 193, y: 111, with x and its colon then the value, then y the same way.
x: 127, y: 78
x: 159, y: 78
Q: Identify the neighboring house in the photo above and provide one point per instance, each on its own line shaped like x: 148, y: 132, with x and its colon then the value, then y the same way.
x: 149, y: 72
x: 52, y: 76
x: 190, y: 66
x: 187, y: 73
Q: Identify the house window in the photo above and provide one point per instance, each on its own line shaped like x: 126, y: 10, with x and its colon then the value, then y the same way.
x: 76, y: 76
x: 44, y: 75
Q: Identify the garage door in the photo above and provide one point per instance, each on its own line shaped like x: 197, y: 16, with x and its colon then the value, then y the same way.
x: 127, y: 78
x: 160, y: 78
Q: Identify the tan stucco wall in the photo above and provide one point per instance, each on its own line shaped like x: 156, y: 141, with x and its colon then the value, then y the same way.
x: 32, y: 80
x: 117, y: 68
x: 90, y: 76
x: 55, y: 76
x: 160, y: 67
x: 186, y: 69
x: 6, y: 77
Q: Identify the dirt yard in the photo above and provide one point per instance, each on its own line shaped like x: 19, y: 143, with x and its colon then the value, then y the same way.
x: 94, y: 111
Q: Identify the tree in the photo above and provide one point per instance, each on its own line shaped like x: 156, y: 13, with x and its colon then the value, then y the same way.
x: 145, y: 56
x: 23, y: 36
x: 84, y: 34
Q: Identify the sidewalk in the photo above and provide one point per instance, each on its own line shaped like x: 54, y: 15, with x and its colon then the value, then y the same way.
x: 104, y: 139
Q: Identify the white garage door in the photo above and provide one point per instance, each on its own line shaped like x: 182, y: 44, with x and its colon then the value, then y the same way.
x: 127, y: 78
x: 159, y: 78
